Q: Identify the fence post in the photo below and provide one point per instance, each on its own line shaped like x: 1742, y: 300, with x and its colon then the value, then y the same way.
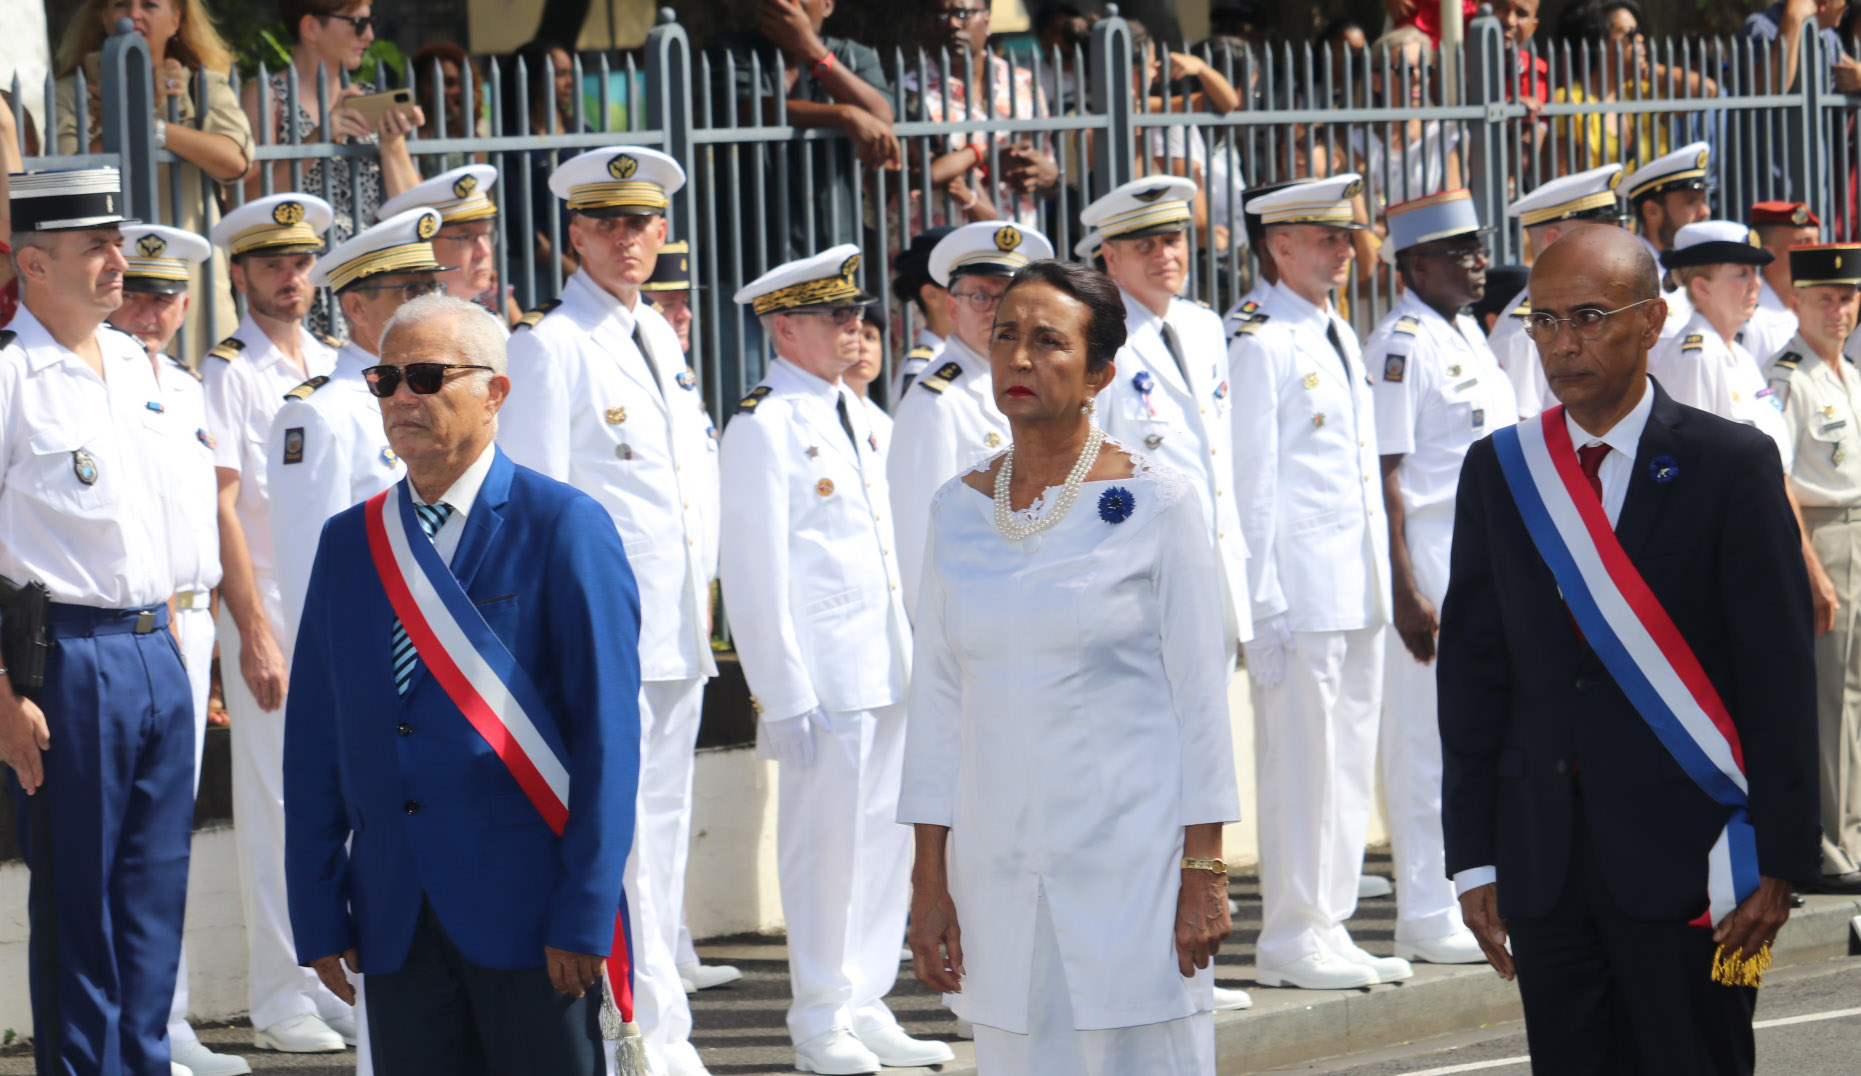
x: 1115, y: 149
x: 1811, y: 163
x: 668, y: 107
x: 128, y: 92
x: 1487, y: 155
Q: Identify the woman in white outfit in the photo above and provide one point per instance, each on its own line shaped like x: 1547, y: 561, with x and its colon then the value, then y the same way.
x: 1067, y: 762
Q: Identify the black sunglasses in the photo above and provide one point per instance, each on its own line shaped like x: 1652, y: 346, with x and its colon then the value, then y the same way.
x: 425, y: 378
x: 360, y: 23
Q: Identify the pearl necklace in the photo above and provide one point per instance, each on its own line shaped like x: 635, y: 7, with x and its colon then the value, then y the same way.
x: 1004, y: 512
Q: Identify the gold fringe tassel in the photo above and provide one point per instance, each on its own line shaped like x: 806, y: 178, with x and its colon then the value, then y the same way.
x: 1737, y: 970
x: 629, y: 1046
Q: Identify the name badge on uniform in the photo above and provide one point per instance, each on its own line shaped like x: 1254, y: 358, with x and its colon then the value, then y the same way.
x: 1467, y: 384
x: 1831, y: 427
x: 84, y: 465
x: 1479, y: 418
x: 294, y: 445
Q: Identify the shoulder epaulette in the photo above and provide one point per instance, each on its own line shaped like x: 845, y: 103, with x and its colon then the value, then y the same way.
x: 327, y: 340
x: 943, y: 378
x: 7, y: 336
x: 1407, y: 324
x: 1202, y: 303
x: 303, y: 391
x: 1694, y: 342
x: 529, y: 320
x: 1788, y: 360
x: 1523, y: 310
x: 921, y: 351
x: 1252, y: 324
x: 747, y: 405
x: 191, y: 372
x: 228, y: 348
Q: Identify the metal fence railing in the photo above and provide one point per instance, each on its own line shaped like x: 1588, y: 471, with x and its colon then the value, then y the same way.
x: 766, y: 186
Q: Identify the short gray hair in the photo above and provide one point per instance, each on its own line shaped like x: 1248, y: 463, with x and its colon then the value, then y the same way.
x: 478, y: 334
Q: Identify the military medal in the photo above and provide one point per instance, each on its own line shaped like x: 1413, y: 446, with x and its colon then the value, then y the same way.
x: 825, y: 487
x: 687, y: 380
x: 206, y: 438
x: 155, y: 406
x: 813, y: 451
x: 616, y: 416
x: 85, y: 466
x: 1318, y: 419
x: 1311, y: 381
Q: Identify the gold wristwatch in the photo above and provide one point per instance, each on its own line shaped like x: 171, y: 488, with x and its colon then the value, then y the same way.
x: 1213, y: 866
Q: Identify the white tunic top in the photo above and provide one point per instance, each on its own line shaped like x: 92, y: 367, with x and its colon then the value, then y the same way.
x: 102, y: 543
x: 193, y: 503
x: 946, y: 423
x: 1068, y: 718
x: 1518, y: 357
x: 584, y: 409
x: 246, y: 384
x: 1700, y: 369
x: 1771, y: 326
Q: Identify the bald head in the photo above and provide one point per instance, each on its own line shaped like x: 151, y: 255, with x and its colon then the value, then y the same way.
x: 1613, y: 258
x: 1599, y: 371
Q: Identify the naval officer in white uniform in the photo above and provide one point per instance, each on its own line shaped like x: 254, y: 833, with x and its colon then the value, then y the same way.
x: 1266, y: 274
x: 1171, y: 400
x: 1438, y: 389
x: 948, y: 421
x: 811, y: 579
x: 271, y: 245
x: 1310, y: 502
x: 1664, y: 196
x: 1553, y: 208
x: 603, y: 400
x: 467, y: 240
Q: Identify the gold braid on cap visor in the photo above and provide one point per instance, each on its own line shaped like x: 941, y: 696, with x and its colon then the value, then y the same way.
x: 1564, y: 209
x: 406, y: 258
x: 157, y: 269
x: 1149, y: 216
x: 824, y: 292
x: 275, y: 235
x: 477, y: 207
x: 636, y: 192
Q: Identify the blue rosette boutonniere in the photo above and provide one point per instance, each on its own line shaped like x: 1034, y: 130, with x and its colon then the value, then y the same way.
x: 1116, y: 505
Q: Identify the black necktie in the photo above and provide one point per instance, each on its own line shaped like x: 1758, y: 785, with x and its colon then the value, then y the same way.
x: 639, y: 341
x: 1169, y: 341
x: 1337, y: 345
x: 846, y: 423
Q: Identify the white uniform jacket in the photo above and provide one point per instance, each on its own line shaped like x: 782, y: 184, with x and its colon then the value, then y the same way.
x: 1517, y: 355
x: 1244, y: 309
x: 1438, y: 390
x: 1770, y: 328
x: 1307, y: 479
x: 584, y: 409
x: 81, y: 477
x: 1185, y: 426
x: 1823, y: 411
x: 193, y: 501
x: 1700, y: 369
x: 809, y: 571
x: 246, y: 377
x: 327, y: 450
x: 946, y: 424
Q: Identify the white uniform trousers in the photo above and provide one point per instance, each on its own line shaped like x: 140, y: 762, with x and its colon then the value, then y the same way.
x: 1053, y: 1046
x: 669, y: 715
x: 844, y: 864
x: 1315, y: 746
x: 194, y: 627
x: 277, y: 988
x: 1425, y: 903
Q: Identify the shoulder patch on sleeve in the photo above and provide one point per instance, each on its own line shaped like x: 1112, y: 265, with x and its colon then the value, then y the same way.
x: 328, y: 341
x: 185, y: 368
x: 1252, y: 325
x: 1394, y: 365
x: 747, y: 405
x: 943, y: 378
x: 1693, y: 342
x: 303, y: 391
x: 530, y: 318
x: 228, y: 348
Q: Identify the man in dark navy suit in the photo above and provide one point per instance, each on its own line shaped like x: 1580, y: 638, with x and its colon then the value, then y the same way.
x: 1569, y: 825
x: 416, y: 852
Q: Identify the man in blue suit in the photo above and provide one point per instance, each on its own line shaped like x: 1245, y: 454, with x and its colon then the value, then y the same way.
x: 461, y: 739
x: 1594, y: 833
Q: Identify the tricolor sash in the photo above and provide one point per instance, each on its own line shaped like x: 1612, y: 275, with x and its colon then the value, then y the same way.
x: 1636, y: 640
x: 484, y: 681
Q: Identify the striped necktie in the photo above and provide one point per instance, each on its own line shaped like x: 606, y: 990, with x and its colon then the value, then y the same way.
x: 400, y: 647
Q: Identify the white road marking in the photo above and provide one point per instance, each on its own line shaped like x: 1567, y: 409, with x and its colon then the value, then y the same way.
x: 1474, y: 1066
x: 1807, y: 1018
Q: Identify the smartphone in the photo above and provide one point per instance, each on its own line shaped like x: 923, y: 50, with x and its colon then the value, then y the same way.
x: 373, y: 106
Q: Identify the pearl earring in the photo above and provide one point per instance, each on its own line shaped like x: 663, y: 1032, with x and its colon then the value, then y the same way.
x: 1090, y: 406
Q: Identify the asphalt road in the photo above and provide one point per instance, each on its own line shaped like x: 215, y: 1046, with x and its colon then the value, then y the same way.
x: 1821, y: 1002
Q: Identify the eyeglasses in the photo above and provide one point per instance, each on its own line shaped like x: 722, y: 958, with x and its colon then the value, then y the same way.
x: 425, y: 378
x: 361, y: 24
x: 1586, y: 322
x: 488, y: 237
x: 979, y: 301
x: 408, y: 292
x: 842, y: 315
x: 1469, y: 258
x: 961, y: 14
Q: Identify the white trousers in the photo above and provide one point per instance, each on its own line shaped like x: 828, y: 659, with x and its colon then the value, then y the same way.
x: 669, y: 715
x: 1315, y: 750
x: 1425, y: 903
x: 1054, y: 1047
x: 195, y: 629
x: 844, y: 863
x: 277, y: 988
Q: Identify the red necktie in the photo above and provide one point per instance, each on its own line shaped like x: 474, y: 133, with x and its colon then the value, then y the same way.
x: 1590, y: 458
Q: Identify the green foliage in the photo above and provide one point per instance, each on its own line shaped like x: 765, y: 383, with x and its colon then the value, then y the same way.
x: 387, y: 53
x: 9, y: 1038
x: 254, y: 33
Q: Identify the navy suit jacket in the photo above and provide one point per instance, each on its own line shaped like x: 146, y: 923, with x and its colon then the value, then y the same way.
x: 544, y: 565
x: 1527, y: 710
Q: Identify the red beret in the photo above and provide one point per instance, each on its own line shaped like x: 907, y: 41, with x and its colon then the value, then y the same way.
x: 1794, y: 213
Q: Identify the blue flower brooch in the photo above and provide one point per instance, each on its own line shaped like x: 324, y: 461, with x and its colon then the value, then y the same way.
x: 1116, y: 505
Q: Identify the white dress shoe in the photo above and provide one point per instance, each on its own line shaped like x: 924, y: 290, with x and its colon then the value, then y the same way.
x: 204, y: 1062
x: 1319, y: 971
x: 835, y: 1053
x: 965, y: 1030
x: 1387, y: 969
x: 697, y: 977
x: 304, y: 1033
x: 895, y: 1049
x: 342, y: 1024
x: 1460, y: 947
x: 1371, y: 886
x: 1231, y: 998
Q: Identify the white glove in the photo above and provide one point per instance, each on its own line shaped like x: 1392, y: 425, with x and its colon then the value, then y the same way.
x: 1266, y: 653
x: 790, y: 740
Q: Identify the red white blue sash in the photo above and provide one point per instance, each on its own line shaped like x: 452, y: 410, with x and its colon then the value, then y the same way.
x: 481, y: 677
x: 1633, y: 635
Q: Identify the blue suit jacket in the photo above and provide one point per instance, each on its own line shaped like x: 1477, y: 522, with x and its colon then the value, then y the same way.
x: 1529, y: 714
x: 391, y: 798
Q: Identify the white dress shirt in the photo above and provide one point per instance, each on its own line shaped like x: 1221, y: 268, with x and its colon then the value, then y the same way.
x: 193, y: 503
x: 461, y: 495
x: 1771, y: 326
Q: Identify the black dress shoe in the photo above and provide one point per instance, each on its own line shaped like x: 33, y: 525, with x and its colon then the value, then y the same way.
x: 1797, y: 900
x: 1838, y: 883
